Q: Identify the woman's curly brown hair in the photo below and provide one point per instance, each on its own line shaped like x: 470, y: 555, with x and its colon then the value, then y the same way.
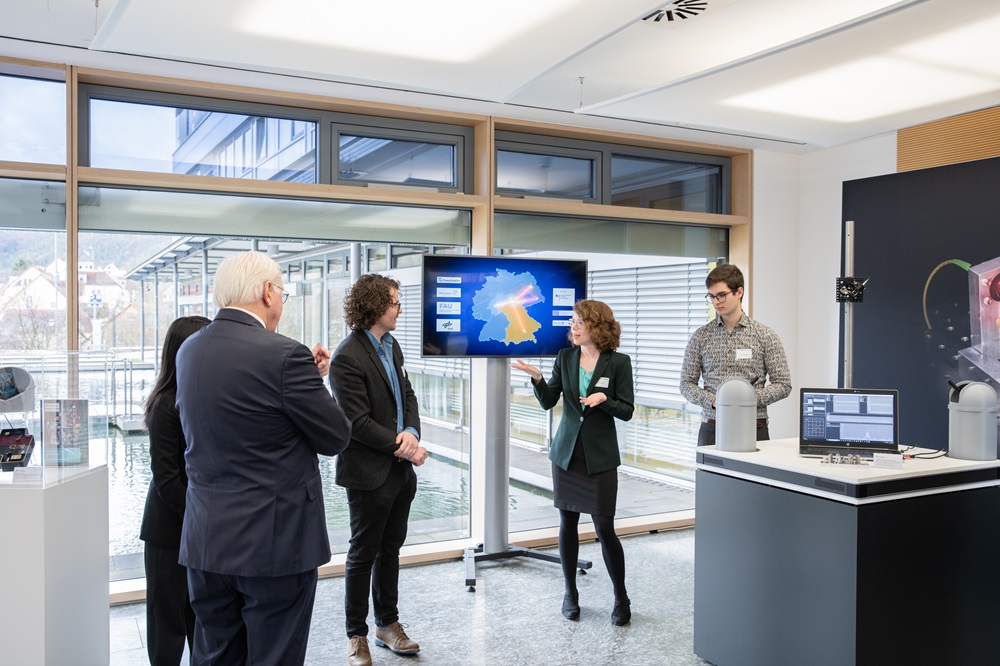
x: 600, y: 322
x: 368, y: 300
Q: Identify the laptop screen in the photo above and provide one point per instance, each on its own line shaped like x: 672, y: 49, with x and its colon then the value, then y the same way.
x: 848, y: 420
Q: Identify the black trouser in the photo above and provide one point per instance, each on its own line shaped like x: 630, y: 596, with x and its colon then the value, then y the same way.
x: 706, y: 435
x: 378, y: 529
x: 169, y: 616
x: 259, y: 620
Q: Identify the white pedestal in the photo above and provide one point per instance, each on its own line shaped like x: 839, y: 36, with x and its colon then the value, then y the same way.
x: 54, y: 597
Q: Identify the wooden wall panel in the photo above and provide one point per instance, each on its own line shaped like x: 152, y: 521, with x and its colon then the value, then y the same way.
x: 970, y: 136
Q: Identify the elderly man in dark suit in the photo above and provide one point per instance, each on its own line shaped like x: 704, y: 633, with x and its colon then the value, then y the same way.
x: 255, y: 414
x: 370, y: 383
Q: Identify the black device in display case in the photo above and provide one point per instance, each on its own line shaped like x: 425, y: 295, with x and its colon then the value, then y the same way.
x: 16, y: 447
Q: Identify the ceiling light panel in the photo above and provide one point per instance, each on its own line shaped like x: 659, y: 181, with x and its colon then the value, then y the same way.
x: 647, y: 55
x: 865, y: 89
x: 933, y: 59
x: 468, y: 49
x: 431, y: 30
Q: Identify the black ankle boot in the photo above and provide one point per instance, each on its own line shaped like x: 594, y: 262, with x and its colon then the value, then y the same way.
x: 622, y: 613
x: 571, y: 606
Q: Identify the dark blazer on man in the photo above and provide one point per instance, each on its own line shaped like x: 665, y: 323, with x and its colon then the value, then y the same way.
x: 595, y: 427
x: 363, y: 389
x: 255, y: 414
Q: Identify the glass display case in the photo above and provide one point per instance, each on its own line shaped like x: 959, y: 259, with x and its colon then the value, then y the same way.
x: 55, y: 410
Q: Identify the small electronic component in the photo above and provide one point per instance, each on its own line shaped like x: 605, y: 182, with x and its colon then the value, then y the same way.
x: 851, y: 289
x: 845, y: 459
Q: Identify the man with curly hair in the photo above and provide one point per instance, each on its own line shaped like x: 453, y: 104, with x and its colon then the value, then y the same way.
x: 370, y: 383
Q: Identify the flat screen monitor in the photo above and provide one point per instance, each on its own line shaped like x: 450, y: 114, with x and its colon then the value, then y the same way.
x: 498, y: 306
x: 848, y: 420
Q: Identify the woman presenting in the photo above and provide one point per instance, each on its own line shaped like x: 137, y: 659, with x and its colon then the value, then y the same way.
x: 597, y: 383
x: 169, y: 616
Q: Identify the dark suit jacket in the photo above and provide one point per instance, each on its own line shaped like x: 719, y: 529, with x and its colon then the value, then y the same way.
x: 255, y: 413
x: 594, y: 427
x: 361, y: 386
x: 164, y: 512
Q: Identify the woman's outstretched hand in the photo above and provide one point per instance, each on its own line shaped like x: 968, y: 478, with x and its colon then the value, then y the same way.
x: 536, y: 374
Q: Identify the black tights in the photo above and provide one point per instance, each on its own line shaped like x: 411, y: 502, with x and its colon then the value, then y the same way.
x: 611, y: 548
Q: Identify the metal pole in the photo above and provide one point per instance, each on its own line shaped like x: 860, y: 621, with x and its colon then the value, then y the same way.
x: 142, y: 320
x: 204, y: 282
x: 497, y: 455
x: 156, y: 321
x: 848, y: 306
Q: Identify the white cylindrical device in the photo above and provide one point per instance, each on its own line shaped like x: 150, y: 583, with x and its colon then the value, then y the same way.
x: 972, y: 421
x: 736, y: 416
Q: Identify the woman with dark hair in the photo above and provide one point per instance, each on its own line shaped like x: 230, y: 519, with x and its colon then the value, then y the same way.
x: 169, y: 617
x: 597, y: 383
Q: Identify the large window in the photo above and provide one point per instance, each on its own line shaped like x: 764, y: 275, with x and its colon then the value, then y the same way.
x: 32, y: 120
x: 205, y: 137
x: 32, y: 265
x: 158, y: 271
x: 666, y: 184
x: 169, y: 134
x: 526, y: 170
x: 530, y: 165
x: 380, y: 151
x: 150, y: 238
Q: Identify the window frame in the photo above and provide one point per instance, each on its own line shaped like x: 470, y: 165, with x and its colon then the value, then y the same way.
x: 459, y: 137
x: 534, y: 144
x: 90, y: 92
x: 726, y: 175
x: 602, y: 153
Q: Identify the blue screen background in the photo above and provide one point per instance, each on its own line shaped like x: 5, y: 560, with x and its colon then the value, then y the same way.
x: 487, y: 276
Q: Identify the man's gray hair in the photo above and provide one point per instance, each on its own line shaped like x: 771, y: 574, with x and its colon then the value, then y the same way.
x: 239, y: 278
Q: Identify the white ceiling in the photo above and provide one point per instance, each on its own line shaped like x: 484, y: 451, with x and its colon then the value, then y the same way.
x: 794, y: 75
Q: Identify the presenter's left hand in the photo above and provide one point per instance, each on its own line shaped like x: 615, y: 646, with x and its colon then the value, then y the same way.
x: 322, y: 357
x: 593, y: 400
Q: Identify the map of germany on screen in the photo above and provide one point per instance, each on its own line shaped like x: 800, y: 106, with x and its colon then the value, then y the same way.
x: 499, y: 306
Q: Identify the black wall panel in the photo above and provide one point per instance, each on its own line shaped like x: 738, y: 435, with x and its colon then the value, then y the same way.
x: 906, y: 224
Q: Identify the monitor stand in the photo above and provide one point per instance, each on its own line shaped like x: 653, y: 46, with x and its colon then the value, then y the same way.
x: 495, y: 545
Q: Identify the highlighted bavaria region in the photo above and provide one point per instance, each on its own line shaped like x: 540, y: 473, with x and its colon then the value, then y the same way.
x: 503, y: 304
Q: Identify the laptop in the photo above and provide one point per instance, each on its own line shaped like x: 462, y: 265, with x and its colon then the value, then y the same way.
x: 848, y: 421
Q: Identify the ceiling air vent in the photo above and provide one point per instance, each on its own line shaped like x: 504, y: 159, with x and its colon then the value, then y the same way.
x: 680, y: 10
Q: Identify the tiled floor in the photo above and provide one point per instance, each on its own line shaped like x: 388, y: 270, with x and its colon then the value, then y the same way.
x: 513, y: 616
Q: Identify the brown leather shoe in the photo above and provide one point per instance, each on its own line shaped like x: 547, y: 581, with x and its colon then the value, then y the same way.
x: 357, y: 652
x: 394, y: 638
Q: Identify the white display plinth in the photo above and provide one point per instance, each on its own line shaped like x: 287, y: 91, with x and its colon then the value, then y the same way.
x: 54, y: 600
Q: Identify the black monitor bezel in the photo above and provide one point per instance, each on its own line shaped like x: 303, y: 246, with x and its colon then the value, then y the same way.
x: 824, y: 446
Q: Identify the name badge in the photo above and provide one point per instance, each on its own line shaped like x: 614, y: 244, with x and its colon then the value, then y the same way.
x: 744, y: 354
x: 603, y: 382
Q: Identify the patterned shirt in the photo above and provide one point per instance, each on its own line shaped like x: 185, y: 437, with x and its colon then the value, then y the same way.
x: 751, y: 351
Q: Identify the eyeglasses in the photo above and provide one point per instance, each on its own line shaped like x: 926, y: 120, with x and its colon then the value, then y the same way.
x: 284, y: 294
x: 717, y: 298
x: 575, y: 323
x: 396, y: 304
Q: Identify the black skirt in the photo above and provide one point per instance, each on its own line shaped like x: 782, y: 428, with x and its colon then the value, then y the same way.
x: 576, y: 490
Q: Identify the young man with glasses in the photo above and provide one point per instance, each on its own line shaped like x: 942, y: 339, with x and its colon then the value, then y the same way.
x: 732, y: 345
